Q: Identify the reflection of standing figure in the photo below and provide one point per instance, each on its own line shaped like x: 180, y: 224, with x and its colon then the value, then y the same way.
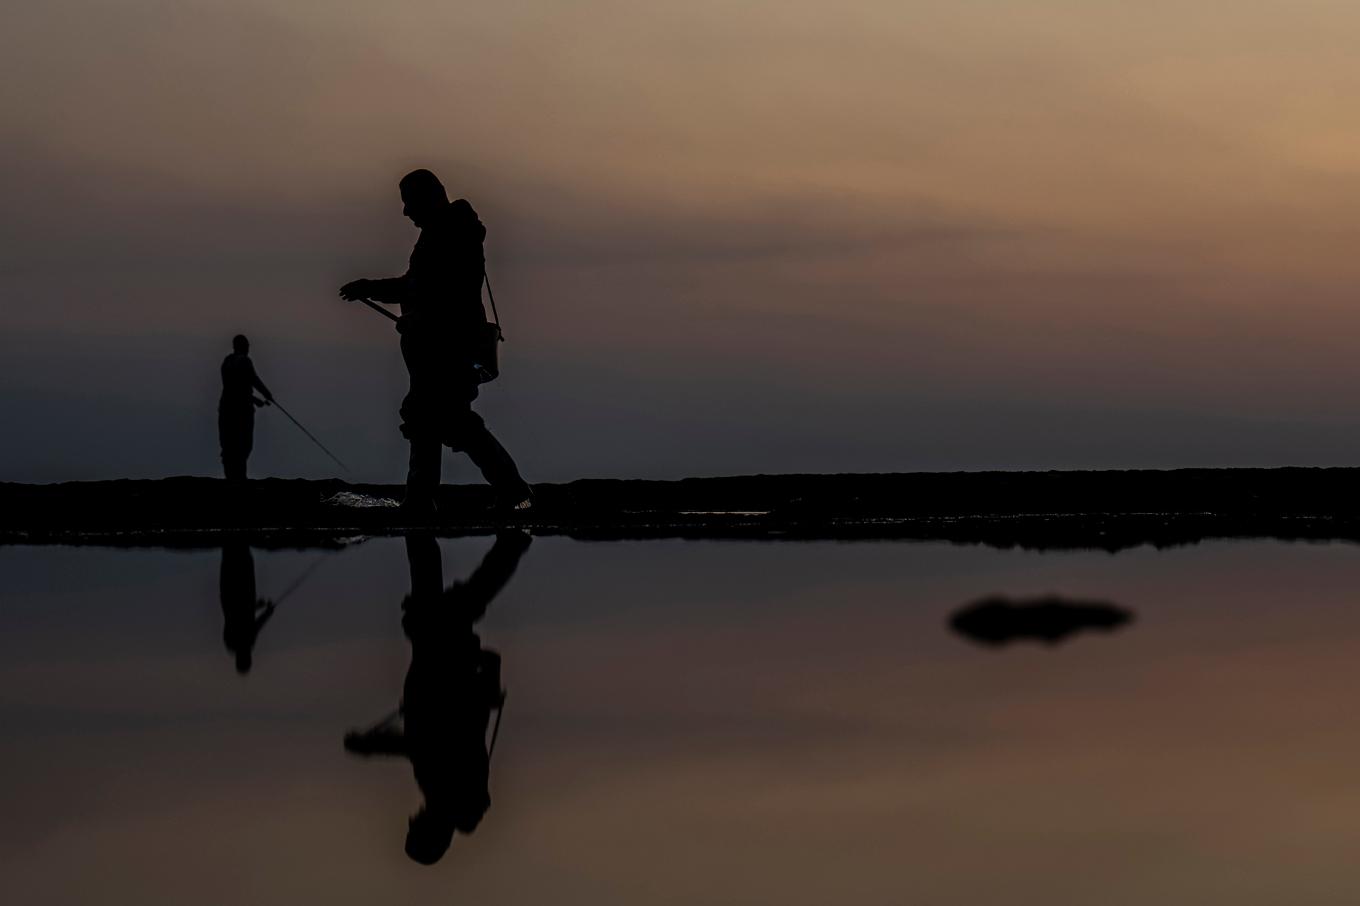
x: 236, y: 408
x: 452, y: 686
x: 243, y: 615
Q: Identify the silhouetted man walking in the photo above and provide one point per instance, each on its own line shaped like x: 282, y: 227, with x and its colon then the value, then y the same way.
x: 236, y: 408
x: 452, y: 686
x: 442, y: 317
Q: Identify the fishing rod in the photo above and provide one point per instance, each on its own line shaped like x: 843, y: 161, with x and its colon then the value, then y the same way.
x: 309, y: 434
x: 487, y: 279
x: 379, y: 309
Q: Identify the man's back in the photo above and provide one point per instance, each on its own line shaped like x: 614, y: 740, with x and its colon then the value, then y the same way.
x: 446, y: 271
x: 238, y: 378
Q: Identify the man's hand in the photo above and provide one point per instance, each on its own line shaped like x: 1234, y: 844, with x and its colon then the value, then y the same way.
x: 355, y: 290
x: 259, y: 403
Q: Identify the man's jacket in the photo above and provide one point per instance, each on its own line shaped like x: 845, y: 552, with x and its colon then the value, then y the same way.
x: 441, y: 291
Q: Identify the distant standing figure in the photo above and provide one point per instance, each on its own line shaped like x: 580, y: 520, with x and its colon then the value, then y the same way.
x: 441, y: 304
x: 236, y: 408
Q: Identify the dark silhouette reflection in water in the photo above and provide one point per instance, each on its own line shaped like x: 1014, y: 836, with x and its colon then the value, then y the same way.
x: 243, y: 614
x: 452, y: 686
x: 999, y: 621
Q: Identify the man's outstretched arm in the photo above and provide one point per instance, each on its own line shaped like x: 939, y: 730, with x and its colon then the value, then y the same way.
x: 389, y: 290
x: 383, y: 738
x: 259, y: 385
x: 377, y: 741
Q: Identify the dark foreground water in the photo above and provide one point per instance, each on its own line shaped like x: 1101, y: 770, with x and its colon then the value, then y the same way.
x: 698, y: 722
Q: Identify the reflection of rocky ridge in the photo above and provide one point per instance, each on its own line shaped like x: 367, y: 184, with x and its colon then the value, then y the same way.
x: 998, y: 621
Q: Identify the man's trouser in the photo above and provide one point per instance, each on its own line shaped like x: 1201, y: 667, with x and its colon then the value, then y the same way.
x: 437, y: 413
x: 236, y: 434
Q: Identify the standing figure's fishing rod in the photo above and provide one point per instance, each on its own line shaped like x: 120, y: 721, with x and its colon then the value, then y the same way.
x: 309, y: 434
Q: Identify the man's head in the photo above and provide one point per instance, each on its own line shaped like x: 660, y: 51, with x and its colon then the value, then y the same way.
x: 422, y: 196
x: 239, y: 343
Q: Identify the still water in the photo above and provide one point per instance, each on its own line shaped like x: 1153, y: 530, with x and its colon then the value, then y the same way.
x: 686, y: 722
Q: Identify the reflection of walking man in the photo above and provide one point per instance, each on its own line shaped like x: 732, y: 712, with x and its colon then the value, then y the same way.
x: 452, y: 686
x: 236, y: 408
x: 243, y: 614
x: 442, y: 319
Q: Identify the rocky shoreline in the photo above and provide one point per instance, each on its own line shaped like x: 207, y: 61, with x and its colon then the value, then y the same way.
x: 1110, y: 510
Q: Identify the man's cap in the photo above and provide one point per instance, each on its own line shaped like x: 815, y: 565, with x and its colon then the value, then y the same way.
x: 422, y: 183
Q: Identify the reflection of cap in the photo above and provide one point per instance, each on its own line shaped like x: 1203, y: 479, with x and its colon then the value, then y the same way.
x: 428, y: 838
x: 243, y: 661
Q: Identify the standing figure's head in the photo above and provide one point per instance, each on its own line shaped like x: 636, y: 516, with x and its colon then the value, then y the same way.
x: 240, y: 344
x: 422, y: 196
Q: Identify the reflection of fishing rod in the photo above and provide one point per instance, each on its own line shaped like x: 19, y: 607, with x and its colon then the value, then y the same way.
x: 309, y: 434
x: 302, y: 577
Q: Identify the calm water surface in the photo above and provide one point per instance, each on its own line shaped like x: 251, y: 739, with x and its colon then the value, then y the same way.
x: 686, y: 722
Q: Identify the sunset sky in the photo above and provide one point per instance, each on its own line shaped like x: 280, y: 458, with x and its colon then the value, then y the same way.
x: 725, y: 237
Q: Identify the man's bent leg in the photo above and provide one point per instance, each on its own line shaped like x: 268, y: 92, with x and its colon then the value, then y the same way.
x: 470, y: 435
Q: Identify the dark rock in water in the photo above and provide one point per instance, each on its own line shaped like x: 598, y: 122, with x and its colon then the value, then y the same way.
x: 998, y: 621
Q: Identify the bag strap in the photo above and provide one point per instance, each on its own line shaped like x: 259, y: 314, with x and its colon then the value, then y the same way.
x: 500, y: 334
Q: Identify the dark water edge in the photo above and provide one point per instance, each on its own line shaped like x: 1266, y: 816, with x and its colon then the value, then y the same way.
x: 1040, y: 533
x: 1110, y: 510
